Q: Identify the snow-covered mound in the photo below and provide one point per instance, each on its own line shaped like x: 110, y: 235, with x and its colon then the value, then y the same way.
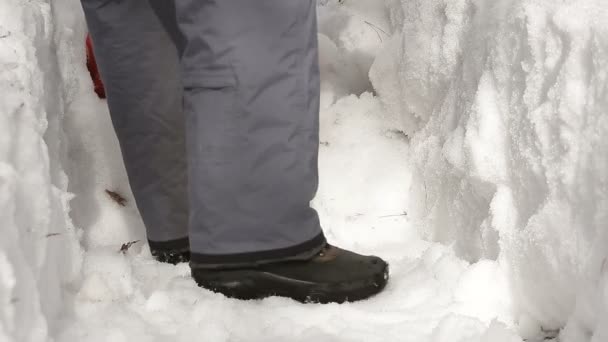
x: 506, y: 104
x: 39, y: 249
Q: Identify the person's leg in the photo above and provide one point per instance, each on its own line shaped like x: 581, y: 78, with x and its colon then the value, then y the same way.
x: 139, y: 64
x: 251, y: 79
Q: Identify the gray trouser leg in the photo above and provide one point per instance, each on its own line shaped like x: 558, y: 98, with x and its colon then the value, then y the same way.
x: 138, y: 60
x: 251, y: 79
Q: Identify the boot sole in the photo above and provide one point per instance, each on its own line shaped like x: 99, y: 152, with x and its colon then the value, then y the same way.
x: 251, y: 284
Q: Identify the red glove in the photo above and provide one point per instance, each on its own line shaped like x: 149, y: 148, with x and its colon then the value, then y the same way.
x: 92, y: 66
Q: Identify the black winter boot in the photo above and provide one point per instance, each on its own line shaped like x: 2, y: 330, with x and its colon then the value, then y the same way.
x: 171, y: 257
x: 334, y: 275
x: 172, y: 252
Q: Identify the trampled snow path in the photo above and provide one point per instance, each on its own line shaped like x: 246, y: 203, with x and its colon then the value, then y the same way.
x: 364, y: 176
x: 432, y: 296
x: 505, y: 102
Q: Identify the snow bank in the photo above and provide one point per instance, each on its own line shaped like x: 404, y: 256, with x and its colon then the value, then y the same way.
x: 504, y: 101
x: 39, y: 248
x: 506, y: 104
x: 432, y: 297
x: 350, y: 35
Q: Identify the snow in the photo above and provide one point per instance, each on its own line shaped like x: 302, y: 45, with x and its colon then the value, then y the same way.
x: 506, y: 103
x: 461, y: 140
x: 39, y: 249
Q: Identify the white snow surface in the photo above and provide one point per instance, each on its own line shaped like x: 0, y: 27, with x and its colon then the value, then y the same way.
x: 39, y: 250
x: 506, y: 103
x: 462, y: 140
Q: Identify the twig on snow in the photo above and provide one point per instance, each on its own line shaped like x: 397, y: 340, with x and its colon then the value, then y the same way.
x: 125, y: 246
x: 376, y: 28
x: 116, y: 197
x: 396, y: 215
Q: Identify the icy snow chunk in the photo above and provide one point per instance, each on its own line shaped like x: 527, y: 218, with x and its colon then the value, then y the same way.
x: 465, y: 329
x: 483, y: 292
x: 107, y: 276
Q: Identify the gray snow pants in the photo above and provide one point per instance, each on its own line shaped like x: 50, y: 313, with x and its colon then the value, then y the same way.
x: 215, y: 104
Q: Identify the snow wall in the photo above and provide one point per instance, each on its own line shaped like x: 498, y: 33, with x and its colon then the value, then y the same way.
x: 39, y: 248
x: 506, y: 104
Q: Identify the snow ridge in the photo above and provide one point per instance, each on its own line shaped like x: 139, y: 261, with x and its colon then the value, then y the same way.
x: 506, y: 104
x: 39, y: 249
x: 479, y: 124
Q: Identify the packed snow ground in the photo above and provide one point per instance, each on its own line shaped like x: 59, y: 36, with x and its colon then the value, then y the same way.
x: 362, y: 202
x: 481, y: 125
x: 507, y: 105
